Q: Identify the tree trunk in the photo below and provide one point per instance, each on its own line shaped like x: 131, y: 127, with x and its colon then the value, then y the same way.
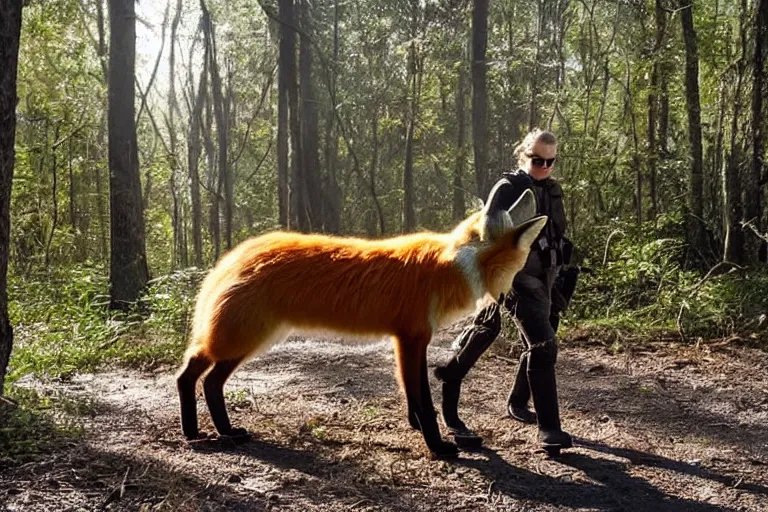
x: 194, y: 150
x: 409, y: 200
x: 128, y: 268
x: 533, y: 112
x: 695, y: 196
x: 54, y: 197
x: 480, y: 95
x: 372, y: 174
x: 458, y: 210
x: 10, y: 30
x: 299, y: 217
x: 331, y: 190
x: 754, y: 201
x: 212, y: 177
x: 309, y: 123
x: 222, y: 126
x: 732, y: 183
x: 283, y: 78
x: 653, y: 106
x: 173, y: 157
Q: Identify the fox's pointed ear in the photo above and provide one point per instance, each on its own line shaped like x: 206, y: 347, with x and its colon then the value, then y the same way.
x: 497, y: 196
x: 526, y: 233
x: 524, y: 208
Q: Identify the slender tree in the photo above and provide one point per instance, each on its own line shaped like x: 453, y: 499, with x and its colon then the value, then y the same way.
x: 409, y: 200
x: 221, y: 113
x: 128, y: 262
x: 754, y: 201
x: 732, y: 183
x: 10, y: 30
x: 285, y: 60
x: 309, y: 121
x: 695, y: 194
x: 480, y: 94
x: 194, y: 151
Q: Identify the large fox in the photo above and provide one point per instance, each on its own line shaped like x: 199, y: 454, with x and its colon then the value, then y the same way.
x: 404, y: 287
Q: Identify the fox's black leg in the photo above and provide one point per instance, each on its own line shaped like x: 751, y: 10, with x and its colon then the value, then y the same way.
x: 412, y: 362
x: 426, y: 397
x: 213, y: 386
x: 185, y: 383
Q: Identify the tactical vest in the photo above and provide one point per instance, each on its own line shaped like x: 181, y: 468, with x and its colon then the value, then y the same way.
x: 549, y: 202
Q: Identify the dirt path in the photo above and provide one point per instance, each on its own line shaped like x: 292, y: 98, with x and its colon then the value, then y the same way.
x: 660, y: 429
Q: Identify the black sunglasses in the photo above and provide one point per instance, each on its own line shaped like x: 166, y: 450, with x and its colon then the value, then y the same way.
x: 539, y: 162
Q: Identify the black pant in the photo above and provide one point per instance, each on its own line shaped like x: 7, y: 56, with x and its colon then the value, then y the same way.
x: 530, y: 302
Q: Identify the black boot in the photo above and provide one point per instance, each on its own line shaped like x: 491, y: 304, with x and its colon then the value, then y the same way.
x: 472, y: 343
x: 544, y: 392
x: 517, y: 401
x: 462, y: 435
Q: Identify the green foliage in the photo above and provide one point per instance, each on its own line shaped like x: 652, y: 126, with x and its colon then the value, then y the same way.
x: 644, y: 289
x: 63, y: 325
x: 32, y: 425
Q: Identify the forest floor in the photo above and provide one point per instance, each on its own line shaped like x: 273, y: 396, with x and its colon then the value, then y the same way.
x: 660, y: 427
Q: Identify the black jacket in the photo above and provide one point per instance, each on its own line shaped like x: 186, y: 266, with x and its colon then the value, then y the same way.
x: 549, y: 202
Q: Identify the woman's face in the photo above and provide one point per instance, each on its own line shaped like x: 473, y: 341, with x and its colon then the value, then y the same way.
x: 540, y: 160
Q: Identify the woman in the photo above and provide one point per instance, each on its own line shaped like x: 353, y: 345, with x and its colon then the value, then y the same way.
x: 531, y: 304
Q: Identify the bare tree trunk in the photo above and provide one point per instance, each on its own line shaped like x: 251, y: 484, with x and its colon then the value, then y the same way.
x: 173, y: 158
x: 309, y: 123
x: 754, y: 201
x: 480, y: 95
x: 409, y: 208
x: 695, y: 196
x: 732, y: 185
x: 212, y: 177
x: 653, y: 106
x: 372, y: 171
x: 298, y: 193
x: 283, y: 78
x: 102, y: 133
x: 222, y: 125
x: 331, y: 190
x: 128, y: 269
x: 458, y: 210
x: 10, y: 30
x: 533, y: 112
x: 54, y: 197
x: 73, y: 221
x: 194, y: 150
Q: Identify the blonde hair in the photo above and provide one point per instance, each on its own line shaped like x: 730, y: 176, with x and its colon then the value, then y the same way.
x: 530, y: 140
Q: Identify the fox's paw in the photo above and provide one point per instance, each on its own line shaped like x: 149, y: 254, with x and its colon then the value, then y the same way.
x: 444, y: 450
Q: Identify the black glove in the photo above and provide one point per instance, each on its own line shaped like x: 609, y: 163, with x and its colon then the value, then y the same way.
x: 564, y: 287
